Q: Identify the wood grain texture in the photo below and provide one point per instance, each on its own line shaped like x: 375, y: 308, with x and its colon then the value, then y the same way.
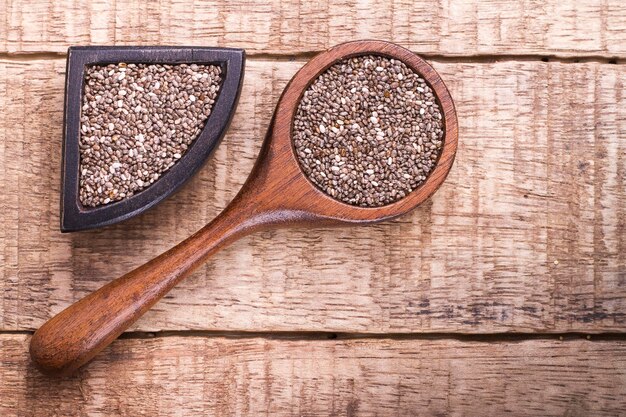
x: 445, y: 27
x: 539, y: 179
x: 367, y: 377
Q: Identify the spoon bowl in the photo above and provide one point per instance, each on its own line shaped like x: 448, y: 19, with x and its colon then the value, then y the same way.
x: 277, y: 193
x: 278, y: 167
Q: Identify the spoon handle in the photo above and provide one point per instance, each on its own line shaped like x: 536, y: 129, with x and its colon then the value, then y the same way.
x: 73, y: 337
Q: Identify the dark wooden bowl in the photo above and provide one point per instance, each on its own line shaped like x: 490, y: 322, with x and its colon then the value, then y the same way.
x: 277, y: 193
x: 75, y: 216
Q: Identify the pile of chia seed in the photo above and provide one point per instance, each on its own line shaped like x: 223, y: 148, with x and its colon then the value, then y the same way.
x: 368, y: 131
x: 137, y: 121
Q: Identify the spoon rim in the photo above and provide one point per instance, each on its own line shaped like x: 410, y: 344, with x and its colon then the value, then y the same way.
x: 287, y: 107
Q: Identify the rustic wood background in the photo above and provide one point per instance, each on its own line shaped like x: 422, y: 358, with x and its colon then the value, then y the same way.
x: 506, y: 292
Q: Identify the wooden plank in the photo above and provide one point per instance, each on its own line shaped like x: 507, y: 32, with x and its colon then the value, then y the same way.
x: 255, y: 376
x: 451, y: 27
x: 527, y: 235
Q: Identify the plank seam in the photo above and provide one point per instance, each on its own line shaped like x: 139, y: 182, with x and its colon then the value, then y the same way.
x: 303, y: 335
x: 305, y: 56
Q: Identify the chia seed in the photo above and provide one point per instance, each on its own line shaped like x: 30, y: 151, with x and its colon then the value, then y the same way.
x: 137, y: 121
x: 368, y: 131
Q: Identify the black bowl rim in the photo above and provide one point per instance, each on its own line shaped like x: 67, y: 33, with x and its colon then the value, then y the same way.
x: 74, y: 216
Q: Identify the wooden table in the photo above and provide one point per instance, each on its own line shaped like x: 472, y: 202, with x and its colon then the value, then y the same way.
x: 506, y: 292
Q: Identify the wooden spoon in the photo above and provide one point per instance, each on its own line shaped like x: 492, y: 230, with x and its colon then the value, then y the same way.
x: 277, y: 193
